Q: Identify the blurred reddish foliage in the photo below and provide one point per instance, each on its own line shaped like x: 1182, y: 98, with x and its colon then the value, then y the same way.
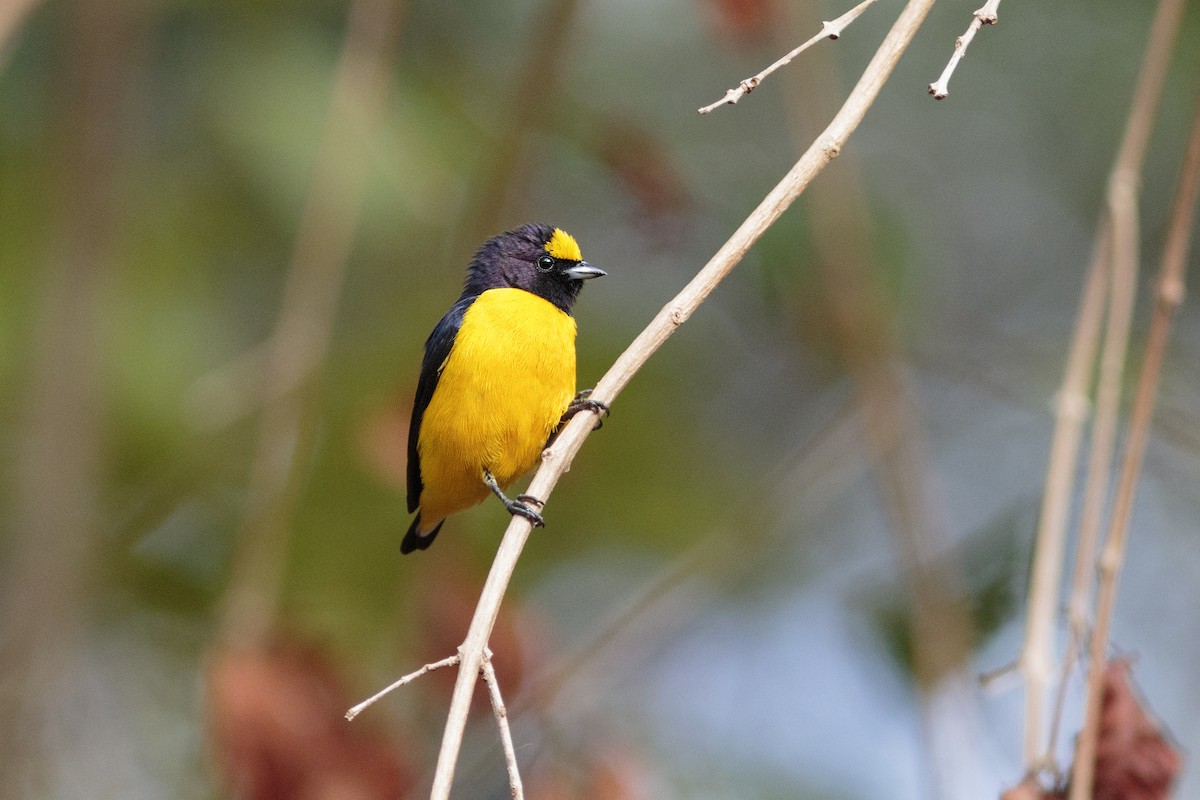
x: 1134, y: 760
x: 278, y: 732
x: 743, y: 21
x: 607, y: 774
x: 643, y: 166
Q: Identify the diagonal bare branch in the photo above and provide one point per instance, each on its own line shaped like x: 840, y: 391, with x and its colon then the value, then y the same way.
x: 449, y: 661
x: 516, y: 789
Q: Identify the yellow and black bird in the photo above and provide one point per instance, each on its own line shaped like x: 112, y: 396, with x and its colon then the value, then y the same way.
x: 498, y: 378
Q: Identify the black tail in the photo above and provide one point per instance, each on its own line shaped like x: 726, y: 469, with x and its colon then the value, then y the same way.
x: 415, y: 541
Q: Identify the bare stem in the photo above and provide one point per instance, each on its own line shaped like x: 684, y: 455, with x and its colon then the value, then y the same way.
x: 987, y: 15
x: 557, y: 459
x: 1071, y: 409
x: 829, y: 30
x: 1170, y: 295
x: 1037, y: 655
x: 409, y: 678
x: 506, y: 742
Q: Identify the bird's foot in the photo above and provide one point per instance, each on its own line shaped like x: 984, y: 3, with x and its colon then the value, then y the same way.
x: 523, y: 505
x: 584, y: 402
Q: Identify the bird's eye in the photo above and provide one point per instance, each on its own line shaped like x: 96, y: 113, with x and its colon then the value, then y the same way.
x: 545, y: 263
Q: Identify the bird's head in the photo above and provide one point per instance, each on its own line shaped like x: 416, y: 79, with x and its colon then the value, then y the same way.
x: 538, y: 258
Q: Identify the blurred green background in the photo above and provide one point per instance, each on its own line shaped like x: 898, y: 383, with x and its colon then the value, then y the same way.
x: 226, y: 229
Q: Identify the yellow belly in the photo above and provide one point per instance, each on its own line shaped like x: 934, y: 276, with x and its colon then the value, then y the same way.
x: 509, y: 378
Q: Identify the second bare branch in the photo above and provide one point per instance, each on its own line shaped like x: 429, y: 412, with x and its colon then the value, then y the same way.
x: 983, y: 16
x: 829, y: 30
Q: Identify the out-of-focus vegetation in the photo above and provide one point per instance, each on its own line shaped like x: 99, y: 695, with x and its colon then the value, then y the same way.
x: 715, y: 608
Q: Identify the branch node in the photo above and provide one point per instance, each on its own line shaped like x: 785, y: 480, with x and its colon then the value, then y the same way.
x: 983, y: 16
x: 409, y: 678
x: 1073, y: 406
x: 1109, y: 562
x: 829, y: 30
x: 987, y: 16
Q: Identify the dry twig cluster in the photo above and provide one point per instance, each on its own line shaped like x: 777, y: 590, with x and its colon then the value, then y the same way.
x: 1099, y: 347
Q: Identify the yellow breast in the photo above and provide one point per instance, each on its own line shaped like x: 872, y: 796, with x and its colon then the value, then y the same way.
x: 509, y: 378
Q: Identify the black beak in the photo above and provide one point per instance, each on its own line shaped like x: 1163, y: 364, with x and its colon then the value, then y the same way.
x: 583, y: 271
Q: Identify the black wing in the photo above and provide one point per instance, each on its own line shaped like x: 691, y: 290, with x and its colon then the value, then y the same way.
x: 437, y: 350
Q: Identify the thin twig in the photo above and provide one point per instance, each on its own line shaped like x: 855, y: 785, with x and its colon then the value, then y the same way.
x: 829, y: 30
x: 1037, y: 654
x: 557, y: 459
x: 1123, y: 211
x: 1125, y: 177
x: 1071, y: 406
x: 987, y: 15
x: 1170, y: 295
x: 506, y: 742
x: 409, y: 678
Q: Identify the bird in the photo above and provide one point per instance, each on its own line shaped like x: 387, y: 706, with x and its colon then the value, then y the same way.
x: 497, y: 379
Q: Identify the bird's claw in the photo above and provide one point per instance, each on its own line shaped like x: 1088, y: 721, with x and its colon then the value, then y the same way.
x: 522, y: 506
x: 584, y: 402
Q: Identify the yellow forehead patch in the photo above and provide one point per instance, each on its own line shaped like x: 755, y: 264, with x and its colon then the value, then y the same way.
x: 563, y: 245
